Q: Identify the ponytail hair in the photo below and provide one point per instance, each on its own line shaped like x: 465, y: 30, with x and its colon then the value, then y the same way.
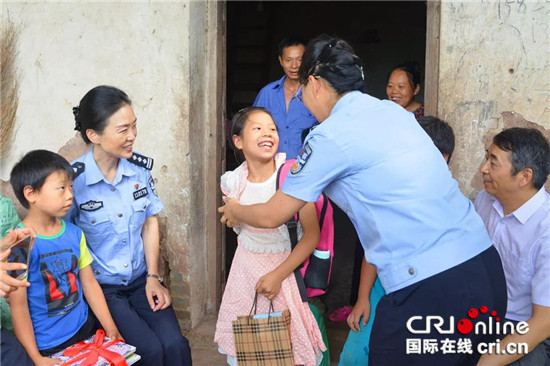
x: 334, y: 60
x: 96, y: 107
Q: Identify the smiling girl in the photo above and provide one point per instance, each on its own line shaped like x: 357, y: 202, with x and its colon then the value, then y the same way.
x: 264, y: 262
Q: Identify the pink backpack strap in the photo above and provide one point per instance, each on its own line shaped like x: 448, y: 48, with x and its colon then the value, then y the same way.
x: 326, y: 227
x: 292, y: 229
x: 282, y: 174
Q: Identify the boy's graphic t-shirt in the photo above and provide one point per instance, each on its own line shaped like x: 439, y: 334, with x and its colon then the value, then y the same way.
x: 54, y: 297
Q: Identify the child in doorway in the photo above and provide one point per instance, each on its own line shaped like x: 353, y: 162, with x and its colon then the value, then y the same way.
x: 263, y: 261
x: 51, y: 314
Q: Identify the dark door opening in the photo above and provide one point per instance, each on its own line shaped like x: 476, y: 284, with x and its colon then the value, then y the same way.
x: 383, y: 33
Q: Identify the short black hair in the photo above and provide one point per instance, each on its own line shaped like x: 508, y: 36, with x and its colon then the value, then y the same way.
x: 413, y: 71
x: 529, y: 148
x: 237, y: 125
x: 33, y: 170
x: 290, y: 41
x: 96, y: 107
x: 334, y: 60
x: 441, y: 134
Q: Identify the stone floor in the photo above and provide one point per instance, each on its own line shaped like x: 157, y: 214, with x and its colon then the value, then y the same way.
x: 205, y: 352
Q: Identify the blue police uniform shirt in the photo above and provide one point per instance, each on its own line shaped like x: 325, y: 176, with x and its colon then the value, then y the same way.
x: 289, y: 125
x: 374, y: 161
x: 112, y: 217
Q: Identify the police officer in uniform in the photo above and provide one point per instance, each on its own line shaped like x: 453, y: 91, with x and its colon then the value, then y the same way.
x: 430, y: 248
x: 116, y: 205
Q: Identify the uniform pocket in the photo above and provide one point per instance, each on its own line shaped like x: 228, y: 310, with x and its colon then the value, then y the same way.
x: 96, y: 225
x: 521, y: 268
x: 139, y: 208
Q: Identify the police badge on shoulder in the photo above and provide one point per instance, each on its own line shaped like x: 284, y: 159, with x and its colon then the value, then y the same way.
x: 301, y: 160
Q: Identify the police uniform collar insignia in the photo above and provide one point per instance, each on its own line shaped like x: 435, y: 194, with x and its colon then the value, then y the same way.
x: 91, y: 205
x: 78, y: 168
x: 301, y: 160
x: 142, y: 161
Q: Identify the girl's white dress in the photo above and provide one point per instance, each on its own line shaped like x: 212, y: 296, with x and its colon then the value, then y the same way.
x: 260, y: 251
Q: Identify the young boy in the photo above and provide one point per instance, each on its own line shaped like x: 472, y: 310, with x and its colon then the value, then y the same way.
x: 51, y: 314
x: 441, y: 134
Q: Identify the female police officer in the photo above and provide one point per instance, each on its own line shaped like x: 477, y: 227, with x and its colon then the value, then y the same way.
x: 376, y: 163
x: 115, y: 204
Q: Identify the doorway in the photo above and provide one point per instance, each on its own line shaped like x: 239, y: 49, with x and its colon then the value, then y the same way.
x: 383, y: 34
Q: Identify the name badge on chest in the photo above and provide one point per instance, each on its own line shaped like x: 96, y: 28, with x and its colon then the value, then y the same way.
x: 140, y: 192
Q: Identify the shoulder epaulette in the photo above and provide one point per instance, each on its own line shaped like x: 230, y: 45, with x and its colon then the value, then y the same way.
x: 142, y: 161
x: 78, y: 168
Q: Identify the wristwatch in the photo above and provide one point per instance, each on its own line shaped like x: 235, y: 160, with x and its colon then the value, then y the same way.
x: 154, y: 275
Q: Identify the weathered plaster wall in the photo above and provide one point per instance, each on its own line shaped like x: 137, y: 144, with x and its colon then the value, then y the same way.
x: 156, y: 52
x: 494, y: 73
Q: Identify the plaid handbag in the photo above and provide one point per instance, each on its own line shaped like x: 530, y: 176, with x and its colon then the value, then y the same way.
x: 264, y: 339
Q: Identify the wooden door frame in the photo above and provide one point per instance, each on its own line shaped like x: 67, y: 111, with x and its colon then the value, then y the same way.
x: 431, y: 82
x: 215, y: 158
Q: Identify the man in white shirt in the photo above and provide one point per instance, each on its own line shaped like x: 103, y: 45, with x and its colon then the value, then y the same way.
x: 515, y: 208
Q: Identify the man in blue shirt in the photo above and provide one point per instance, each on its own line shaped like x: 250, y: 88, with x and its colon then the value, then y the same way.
x: 279, y: 98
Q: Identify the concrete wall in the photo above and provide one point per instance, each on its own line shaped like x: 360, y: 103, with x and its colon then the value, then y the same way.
x: 494, y: 73
x: 159, y: 54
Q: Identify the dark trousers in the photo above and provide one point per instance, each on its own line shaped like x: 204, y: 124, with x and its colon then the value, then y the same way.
x: 475, y: 283
x: 156, y: 335
x: 11, y: 351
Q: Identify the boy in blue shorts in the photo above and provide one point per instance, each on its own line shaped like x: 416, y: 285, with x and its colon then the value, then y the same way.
x: 51, y: 314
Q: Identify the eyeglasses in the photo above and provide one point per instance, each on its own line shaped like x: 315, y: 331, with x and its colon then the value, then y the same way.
x: 298, y: 95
